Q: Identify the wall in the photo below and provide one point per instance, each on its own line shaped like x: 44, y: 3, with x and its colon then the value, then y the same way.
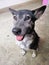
x: 6, y: 3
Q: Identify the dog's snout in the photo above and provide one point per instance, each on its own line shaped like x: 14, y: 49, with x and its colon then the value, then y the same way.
x: 16, y: 31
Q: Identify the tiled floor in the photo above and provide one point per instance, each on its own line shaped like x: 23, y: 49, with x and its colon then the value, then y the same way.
x: 10, y: 52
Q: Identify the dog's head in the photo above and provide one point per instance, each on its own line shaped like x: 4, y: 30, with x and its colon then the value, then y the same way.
x: 24, y: 21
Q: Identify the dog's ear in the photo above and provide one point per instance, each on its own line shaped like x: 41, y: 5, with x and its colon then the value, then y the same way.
x: 13, y: 11
x: 38, y: 12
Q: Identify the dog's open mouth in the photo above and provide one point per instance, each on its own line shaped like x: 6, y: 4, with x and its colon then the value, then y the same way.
x: 19, y: 38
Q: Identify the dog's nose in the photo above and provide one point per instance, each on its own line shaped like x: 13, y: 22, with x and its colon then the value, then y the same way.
x: 16, y: 31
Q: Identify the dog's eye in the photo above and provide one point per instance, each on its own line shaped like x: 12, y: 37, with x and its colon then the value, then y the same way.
x: 15, y: 17
x: 27, y: 18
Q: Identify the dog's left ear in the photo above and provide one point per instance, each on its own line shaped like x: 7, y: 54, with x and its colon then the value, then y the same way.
x: 38, y: 12
x: 14, y: 12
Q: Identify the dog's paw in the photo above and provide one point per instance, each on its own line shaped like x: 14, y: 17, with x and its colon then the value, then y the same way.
x: 34, y: 54
x: 23, y: 52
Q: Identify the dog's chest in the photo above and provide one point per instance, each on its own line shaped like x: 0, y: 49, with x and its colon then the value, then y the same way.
x: 24, y: 44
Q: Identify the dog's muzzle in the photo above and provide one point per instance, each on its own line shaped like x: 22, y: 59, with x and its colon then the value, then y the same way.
x: 17, y: 32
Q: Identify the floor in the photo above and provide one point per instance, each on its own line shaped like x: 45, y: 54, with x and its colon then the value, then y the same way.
x: 10, y: 52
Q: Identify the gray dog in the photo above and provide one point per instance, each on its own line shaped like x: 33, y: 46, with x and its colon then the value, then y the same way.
x: 24, y: 23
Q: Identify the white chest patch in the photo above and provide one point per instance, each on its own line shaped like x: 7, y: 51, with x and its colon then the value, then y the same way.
x: 24, y: 44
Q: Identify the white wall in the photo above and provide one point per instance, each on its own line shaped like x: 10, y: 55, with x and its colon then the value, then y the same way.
x: 6, y: 3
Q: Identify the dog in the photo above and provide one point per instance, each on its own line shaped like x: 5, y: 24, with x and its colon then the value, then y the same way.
x: 23, y: 29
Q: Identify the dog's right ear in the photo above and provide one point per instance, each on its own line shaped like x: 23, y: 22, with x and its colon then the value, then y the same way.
x: 39, y: 11
x: 13, y: 11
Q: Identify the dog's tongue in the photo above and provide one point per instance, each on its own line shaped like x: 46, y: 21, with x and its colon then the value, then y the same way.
x: 19, y: 38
